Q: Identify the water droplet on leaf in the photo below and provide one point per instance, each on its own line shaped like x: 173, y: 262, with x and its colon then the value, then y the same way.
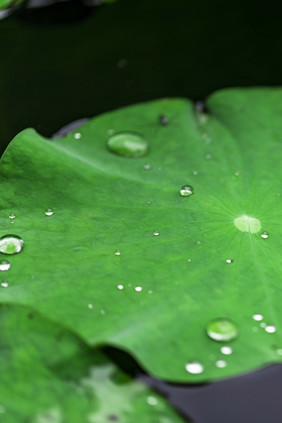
x: 77, y: 135
x: 128, y: 144
x: 229, y: 261
x: 226, y: 350
x: 11, y: 244
x: 90, y: 306
x: 120, y: 287
x: 138, y: 288
x: 220, y: 364
x: 147, y: 166
x: 194, y: 367
x: 49, y: 212
x: 152, y: 400
x: 186, y: 190
x: 156, y: 233
x: 4, y: 265
x: 222, y: 330
x: 258, y: 317
x: 117, y: 253
x: 12, y: 216
x: 270, y: 329
x: 264, y: 235
x: 4, y: 284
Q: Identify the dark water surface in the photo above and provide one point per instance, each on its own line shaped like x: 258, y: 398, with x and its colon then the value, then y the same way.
x: 69, y: 61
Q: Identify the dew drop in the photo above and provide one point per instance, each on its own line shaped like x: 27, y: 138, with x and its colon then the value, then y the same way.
x: 4, y: 284
x: 163, y: 120
x: 263, y: 325
x: 90, y: 306
x: 226, y: 350
x: 120, y: 287
x: 138, y: 288
x: 4, y: 265
x: 128, y: 144
x: 103, y: 312
x: 12, y: 216
x: 150, y: 291
x: 194, y: 367
x: 264, y: 235
x: 147, y: 166
x: 195, y: 172
x: 117, y: 253
x: 77, y: 135
x: 237, y: 173
x: 270, y: 329
x: 229, y: 261
x: 152, y: 400
x: 49, y: 212
x: 186, y: 190
x: 11, y: 244
x: 222, y: 330
x: 156, y: 233
x: 189, y: 260
x: 258, y: 317
x: 220, y: 364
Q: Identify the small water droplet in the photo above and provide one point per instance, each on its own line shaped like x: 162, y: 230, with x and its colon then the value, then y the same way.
x: 263, y: 325
x: 4, y: 265
x: 12, y: 216
x: 194, y: 367
x: 258, y: 317
x: 226, y: 350
x: 77, y: 135
x: 156, y: 233
x: 198, y: 242
x: 264, y: 235
x: 208, y: 156
x: 279, y: 351
x: 120, y: 287
x: 163, y: 120
x: 220, y: 364
x: 229, y: 261
x: 138, y: 288
x: 237, y: 174
x: 11, y: 244
x: 4, y: 284
x: 90, y: 306
x: 128, y: 144
x: 189, y: 260
x: 222, y: 330
x: 195, y: 173
x: 147, y: 166
x: 150, y: 291
x: 49, y: 212
x: 103, y: 312
x: 152, y: 400
x: 270, y: 329
x: 117, y: 253
x: 186, y: 190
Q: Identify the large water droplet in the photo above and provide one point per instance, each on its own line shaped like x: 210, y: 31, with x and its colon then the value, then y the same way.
x: 49, y: 212
x: 138, y: 288
x: 222, y: 330
x: 11, y: 244
x: 128, y: 144
x: 4, y: 265
x: 194, y: 367
x: 247, y: 223
x: 264, y: 235
x: 186, y: 190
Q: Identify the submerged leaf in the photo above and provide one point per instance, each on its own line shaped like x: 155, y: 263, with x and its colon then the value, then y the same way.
x: 126, y: 259
x: 49, y: 376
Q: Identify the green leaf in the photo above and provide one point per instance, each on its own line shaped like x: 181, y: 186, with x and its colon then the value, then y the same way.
x: 48, y: 375
x: 154, y: 295
x: 6, y: 3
